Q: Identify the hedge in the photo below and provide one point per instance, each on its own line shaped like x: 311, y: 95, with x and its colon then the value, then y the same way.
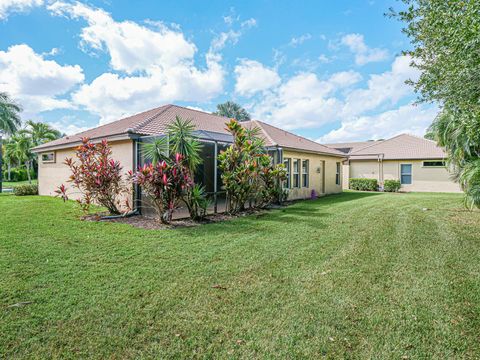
x: 391, y: 185
x: 364, y: 184
x: 18, y: 174
x: 23, y: 190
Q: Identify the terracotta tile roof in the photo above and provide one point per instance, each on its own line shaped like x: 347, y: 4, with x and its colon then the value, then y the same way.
x: 277, y: 137
x: 151, y: 122
x: 349, y: 147
x: 156, y: 121
x: 400, y: 147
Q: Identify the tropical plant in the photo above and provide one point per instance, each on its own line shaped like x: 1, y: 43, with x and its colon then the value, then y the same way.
x: 163, y: 184
x: 21, y: 150
x: 240, y: 166
x: 197, y: 202
x: 97, y: 177
x: 445, y: 42
x: 232, y: 110
x: 180, y: 139
x: 272, y: 177
x: 40, y: 133
x: 9, y: 114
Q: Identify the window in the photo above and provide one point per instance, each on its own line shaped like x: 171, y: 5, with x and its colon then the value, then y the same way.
x: 48, y: 157
x: 337, y: 175
x: 287, y: 163
x: 296, y: 173
x: 406, y: 174
x: 436, y: 163
x: 305, y: 173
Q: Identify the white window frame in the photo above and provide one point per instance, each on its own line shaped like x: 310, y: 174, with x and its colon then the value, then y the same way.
x: 410, y: 174
x: 51, y: 161
x: 296, y: 174
x: 288, y: 164
x: 305, y: 173
x: 338, y: 173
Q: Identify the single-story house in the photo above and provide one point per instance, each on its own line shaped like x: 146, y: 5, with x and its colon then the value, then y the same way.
x: 310, y: 166
x: 418, y: 163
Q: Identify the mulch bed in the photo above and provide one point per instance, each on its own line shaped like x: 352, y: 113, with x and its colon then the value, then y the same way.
x: 146, y: 222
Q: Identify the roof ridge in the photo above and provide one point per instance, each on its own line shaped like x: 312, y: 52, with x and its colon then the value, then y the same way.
x: 146, y: 121
x: 264, y: 131
x: 301, y: 137
x: 375, y: 143
x: 200, y: 111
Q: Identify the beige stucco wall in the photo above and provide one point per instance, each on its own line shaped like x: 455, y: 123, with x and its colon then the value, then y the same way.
x: 320, y: 167
x: 425, y: 179
x: 51, y: 175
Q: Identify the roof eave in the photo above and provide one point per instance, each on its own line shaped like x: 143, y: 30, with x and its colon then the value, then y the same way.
x: 116, y: 137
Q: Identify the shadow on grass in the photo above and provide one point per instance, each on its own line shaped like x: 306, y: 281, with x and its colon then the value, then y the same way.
x: 310, y: 213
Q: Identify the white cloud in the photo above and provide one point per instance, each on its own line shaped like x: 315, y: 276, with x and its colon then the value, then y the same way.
x: 154, y: 66
x: 295, y: 41
x: 37, y: 83
x: 305, y: 101
x: 363, y: 54
x: 252, y: 77
x: 9, y: 6
x: 67, y: 125
x: 131, y: 47
x: 382, y: 89
x: 405, y: 119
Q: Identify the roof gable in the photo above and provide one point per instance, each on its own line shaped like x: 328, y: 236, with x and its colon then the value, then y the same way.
x: 403, y: 146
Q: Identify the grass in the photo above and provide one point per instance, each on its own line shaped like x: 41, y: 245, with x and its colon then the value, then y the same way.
x: 11, y: 184
x: 357, y: 275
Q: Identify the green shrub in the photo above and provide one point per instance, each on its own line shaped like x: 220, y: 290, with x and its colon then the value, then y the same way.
x: 23, y: 190
x: 18, y: 174
x: 391, y: 185
x: 364, y: 184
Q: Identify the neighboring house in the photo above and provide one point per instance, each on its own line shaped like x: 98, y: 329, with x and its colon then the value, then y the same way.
x: 310, y: 166
x: 418, y: 163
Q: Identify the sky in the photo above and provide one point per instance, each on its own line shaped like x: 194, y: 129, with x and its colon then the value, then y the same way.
x: 332, y: 71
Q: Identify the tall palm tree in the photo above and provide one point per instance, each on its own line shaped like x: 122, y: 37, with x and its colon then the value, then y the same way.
x: 232, y: 110
x: 9, y: 114
x: 9, y: 122
x: 22, y: 151
x: 9, y: 156
x: 41, y: 132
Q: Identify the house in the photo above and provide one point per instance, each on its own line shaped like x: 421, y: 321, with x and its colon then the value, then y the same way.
x: 418, y: 163
x: 310, y: 166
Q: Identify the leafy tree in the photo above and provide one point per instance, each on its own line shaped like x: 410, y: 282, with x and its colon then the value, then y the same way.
x: 41, y: 133
x: 9, y: 114
x: 22, y: 151
x: 445, y: 38
x: 232, y: 110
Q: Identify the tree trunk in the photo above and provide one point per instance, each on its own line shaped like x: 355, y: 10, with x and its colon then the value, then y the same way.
x: 27, y: 164
x: 9, y: 168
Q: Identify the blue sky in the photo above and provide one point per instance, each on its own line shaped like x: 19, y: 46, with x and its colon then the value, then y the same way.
x: 330, y: 71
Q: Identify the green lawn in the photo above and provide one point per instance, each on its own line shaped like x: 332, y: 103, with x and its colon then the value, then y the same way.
x: 10, y: 184
x: 356, y: 275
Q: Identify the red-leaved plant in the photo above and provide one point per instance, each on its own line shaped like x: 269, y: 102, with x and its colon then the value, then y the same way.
x: 97, y: 177
x: 164, y: 184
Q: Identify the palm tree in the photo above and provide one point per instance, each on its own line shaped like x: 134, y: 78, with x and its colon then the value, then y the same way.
x: 41, y: 133
x: 156, y: 150
x: 232, y: 110
x: 9, y: 122
x: 9, y: 155
x: 22, y: 151
x: 183, y: 141
x: 9, y: 114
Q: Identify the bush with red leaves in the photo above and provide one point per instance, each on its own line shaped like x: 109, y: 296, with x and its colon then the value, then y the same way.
x: 164, y: 184
x: 97, y: 176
